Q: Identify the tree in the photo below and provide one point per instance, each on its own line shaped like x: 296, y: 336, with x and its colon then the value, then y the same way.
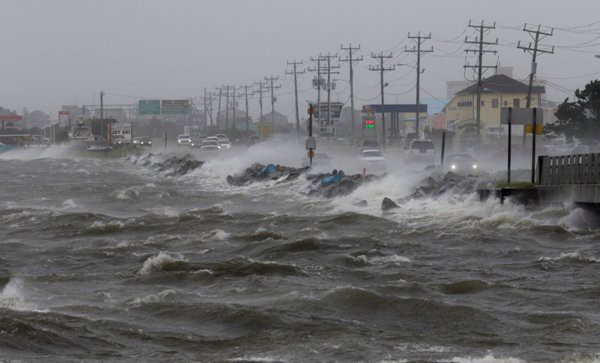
x: 580, y: 119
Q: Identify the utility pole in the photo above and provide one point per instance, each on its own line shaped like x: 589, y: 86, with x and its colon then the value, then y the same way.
x: 329, y: 72
x: 318, y: 59
x: 295, y: 72
x: 271, y: 87
x: 381, y: 68
x: 219, y: 109
x: 260, y: 92
x: 419, y: 39
x: 205, y: 107
x: 480, y: 51
x: 226, y: 109
x: 534, y: 50
x: 210, y: 108
x: 349, y: 59
x: 234, y: 105
x: 101, y: 105
x: 245, y: 87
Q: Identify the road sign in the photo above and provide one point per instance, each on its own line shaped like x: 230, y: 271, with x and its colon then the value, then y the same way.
x: 369, y: 124
x: 311, y: 143
x: 539, y: 129
x: 174, y: 107
x: 521, y: 116
x: 149, y: 107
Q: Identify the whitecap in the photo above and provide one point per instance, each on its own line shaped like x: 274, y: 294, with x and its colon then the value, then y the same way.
x: 13, y: 297
x: 490, y: 358
x: 571, y: 256
x: 159, y: 261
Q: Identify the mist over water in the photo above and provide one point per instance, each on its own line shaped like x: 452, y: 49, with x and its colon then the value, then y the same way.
x: 111, y: 259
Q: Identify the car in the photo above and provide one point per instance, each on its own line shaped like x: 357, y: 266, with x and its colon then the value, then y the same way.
x: 421, y: 151
x: 221, y: 136
x: 370, y: 144
x: 372, y: 156
x: 461, y: 163
x: 197, y: 141
x: 142, y: 141
x: 224, y: 142
x: 209, y: 145
x: 184, y: 140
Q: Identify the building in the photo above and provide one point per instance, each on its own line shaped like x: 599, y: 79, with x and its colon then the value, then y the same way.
x: 265, y: 124
x: 498, y: 91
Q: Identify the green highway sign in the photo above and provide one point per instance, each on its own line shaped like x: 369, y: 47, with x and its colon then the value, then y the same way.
x: 149, y: 107
x: 174, y: 107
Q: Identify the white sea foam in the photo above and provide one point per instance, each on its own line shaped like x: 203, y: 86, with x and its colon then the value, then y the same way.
x: 162, y: 296
x: 55, y: 151
x: 216, y: 235
x: 571, y: 256
x: 69, y: 204
x: 13, y: 297
x: 159, y: 261
x: 490, y: 358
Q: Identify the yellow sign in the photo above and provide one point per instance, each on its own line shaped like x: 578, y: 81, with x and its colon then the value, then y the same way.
x: 265, y: 130
x: 539, y: 129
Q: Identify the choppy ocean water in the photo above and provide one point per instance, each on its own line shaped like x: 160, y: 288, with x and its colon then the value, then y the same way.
x: 109, y: 260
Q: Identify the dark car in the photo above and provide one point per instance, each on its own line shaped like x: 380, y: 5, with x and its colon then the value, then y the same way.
x: 142, y: 141
x: 461, y: 163
x: 197, y: 141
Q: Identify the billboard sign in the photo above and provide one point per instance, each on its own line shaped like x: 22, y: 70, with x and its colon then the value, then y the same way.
x: 121, y: 133
x: 149, y: 107
x: 175, y: 107
x: 521, y: 116
x: 63, y: 118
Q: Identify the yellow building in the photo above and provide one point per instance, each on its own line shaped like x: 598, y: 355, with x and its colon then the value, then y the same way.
x: 497, y: 91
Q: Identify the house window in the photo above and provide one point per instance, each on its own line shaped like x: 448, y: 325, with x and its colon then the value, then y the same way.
x: 495, y: 103
x: 482, y: 103
x: 516, y: 102
x: 505, y: 103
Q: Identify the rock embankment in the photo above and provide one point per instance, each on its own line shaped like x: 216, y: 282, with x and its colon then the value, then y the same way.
x: 258, y: 172
x: 171, y: 166
x: 437, y: 185
x: 327, y: 185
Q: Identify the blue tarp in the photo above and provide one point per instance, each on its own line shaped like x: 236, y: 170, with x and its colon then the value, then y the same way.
x: 332, y: 179
x: 269, y: 169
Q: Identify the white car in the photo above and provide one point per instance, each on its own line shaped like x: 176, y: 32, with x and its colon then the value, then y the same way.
x: 224, y: 143
x: 184, y: 140
x: 372, y: 156
x: 209, y: 145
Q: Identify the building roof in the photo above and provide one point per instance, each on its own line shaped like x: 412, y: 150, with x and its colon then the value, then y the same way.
x: 500, y: 83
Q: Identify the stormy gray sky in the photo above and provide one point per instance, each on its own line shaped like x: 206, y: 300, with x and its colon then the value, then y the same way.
x: 66, y: 51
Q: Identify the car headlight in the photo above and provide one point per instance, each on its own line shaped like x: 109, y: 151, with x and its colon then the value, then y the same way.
x: 452, y: 166
x: 474, y: 166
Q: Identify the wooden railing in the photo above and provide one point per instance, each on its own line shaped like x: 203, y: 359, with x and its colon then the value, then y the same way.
x: 569, y: 169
